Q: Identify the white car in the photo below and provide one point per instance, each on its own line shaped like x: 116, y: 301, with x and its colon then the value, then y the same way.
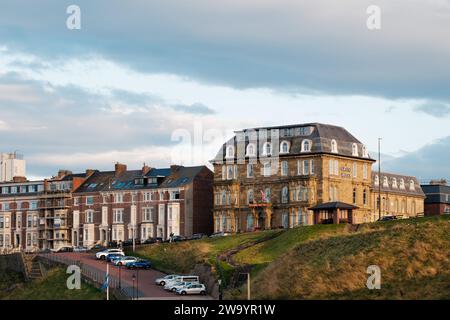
x: 174, y: 286
x: 80, y: 249
x: 102, y: 254
x: 123, y: 261
x: 194, y: 288
x: 166, y: 279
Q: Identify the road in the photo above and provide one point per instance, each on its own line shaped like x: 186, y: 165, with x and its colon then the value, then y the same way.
x: 146, y: 278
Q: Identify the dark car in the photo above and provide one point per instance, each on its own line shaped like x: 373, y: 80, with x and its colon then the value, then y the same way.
x: 97, y: 248
x: 112, y: 256
x: 178, y: 238
x: 388, y: 218
x: 139, y: 264
x: 149, y: 241
x: 198, y: 236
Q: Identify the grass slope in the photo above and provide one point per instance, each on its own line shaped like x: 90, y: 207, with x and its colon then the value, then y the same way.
x: 330, y: 262
x: 52, y: 287
x: 181, y: 257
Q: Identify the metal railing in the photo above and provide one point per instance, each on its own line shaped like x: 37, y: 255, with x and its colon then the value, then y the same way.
x: 118, y: 288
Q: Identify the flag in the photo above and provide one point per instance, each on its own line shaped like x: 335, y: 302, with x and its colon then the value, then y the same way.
x: 263, y: 196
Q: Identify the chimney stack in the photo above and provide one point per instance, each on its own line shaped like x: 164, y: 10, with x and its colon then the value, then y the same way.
x: 145, y: 169
x: 19, y: 179
x: 120, y: 168
x: 174, y: 168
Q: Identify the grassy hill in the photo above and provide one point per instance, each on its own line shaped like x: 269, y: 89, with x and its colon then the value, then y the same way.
x: 52, y: 287
x: 325, y: 261
x: 330, y: 262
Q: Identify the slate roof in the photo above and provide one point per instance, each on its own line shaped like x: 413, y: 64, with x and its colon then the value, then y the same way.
x: 334, y: 205
x: 406, y: 191
x: 319, y: 134
x: 167, y: 178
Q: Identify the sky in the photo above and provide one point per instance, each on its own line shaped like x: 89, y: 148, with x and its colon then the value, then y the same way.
x: 169, y: 81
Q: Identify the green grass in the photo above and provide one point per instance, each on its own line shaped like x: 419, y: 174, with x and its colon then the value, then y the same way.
x: 181, y: 257
x: 330, y: 262
x: 52, y: 287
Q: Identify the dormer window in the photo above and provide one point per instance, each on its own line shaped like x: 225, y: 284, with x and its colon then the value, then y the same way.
x: 267, y: 149
x: 306, y: 145
x: 385, y: 182
x: 411, y: 185
x: 251, y: 150
x: 334, y: 147
x: 230, y: 152
x: 354, y: 150
x: 394, y: 183
x: 365, y: 154
x: 377, y: 180
x: 284, y: 147
x: 402, y: 184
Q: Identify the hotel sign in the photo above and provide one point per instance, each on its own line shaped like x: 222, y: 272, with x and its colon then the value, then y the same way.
x: 346, y: 172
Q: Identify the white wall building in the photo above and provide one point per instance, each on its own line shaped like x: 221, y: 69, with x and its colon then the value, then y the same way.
x: 11, y: 165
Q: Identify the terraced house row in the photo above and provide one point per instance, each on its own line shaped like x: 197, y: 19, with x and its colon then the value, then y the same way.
x: 271, y: 177
x: 97, y: 207
x: 302, y: 175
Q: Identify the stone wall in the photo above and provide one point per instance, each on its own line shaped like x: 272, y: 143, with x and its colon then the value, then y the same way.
x: 12, y: 262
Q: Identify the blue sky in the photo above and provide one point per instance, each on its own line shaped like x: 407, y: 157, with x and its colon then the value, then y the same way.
x: 141, y: 74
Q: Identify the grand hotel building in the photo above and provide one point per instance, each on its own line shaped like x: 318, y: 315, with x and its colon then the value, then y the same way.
x: 302, y: 175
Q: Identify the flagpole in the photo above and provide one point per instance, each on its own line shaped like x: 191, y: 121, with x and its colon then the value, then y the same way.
x: 107, y: 282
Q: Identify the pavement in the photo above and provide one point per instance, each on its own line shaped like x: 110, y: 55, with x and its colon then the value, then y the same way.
x: 145, y: 278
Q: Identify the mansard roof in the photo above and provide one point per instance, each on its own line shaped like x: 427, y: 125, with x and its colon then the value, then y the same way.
x: 320, y: 135
x: 174, y: 177
x: 391, y: 177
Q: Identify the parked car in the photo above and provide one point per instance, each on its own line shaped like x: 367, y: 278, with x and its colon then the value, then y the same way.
x: 124, y: 260
x: 97, y: 247
x: 149, y: 241
x: 220, y: 234
x: 111, y: 257
x: 62, y: 249
x: 163, y: 281
x: 174, y: 286
x: 388, y: 218
x: 194, y: 288
x: 80, y: 249
x: 139, y: 264
x: 192, y: 279
x: 198, y: 236
x: 102, y: 254
x: 178, y: 238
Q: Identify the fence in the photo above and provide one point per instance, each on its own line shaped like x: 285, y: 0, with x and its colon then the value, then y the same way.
x: 119, y: 289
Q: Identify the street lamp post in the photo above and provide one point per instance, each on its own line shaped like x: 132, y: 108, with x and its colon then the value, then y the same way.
x: 379, y: 178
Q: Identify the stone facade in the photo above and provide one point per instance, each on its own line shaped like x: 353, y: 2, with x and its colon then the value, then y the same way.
x: 271, y: 177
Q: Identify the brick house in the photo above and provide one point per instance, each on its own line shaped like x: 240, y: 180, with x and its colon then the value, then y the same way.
x: 437, y: 200
x: 124, y: 204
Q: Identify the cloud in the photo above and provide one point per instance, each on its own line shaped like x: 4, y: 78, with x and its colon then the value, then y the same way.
x: 435, y: 109
x: 295, y: 46
x: 429, y: 162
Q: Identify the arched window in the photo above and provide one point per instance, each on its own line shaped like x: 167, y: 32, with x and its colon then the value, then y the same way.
x: 385, y: 182
x: 354, y: 150
x: 394, y: 183
x: 284, y: 195
x: 365, y: 154
x: 284, y: 147
x: 402, y: 184
x: 250, y: 196
x: 230, y: 152
x: 334, y: 147
x: 251, y: 150
x: 306, y: 145
x: 224, y: 197
x: 267, y: 149
x: 377, y: 180
x: 411, y: 185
